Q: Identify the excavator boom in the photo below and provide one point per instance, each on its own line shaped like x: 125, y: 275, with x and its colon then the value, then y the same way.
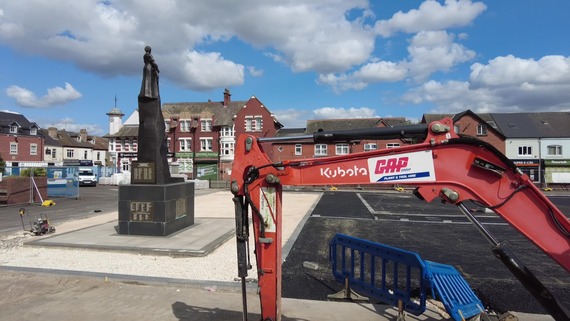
x: 444, y: 166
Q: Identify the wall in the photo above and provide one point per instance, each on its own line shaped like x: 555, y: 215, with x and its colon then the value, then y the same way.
x: 19, y: 190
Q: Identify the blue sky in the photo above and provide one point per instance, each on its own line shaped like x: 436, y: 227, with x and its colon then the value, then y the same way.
x: 63, y: 62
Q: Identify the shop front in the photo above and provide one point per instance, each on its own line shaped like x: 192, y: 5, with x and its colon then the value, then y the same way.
x: 557, y: 171
x: 531, y: 167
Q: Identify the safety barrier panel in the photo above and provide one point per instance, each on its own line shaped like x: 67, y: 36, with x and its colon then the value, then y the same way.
x: 393, y: 275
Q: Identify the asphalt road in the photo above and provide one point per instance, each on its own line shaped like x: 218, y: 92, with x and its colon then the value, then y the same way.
x: 91, y: 201
x: 437, y: 232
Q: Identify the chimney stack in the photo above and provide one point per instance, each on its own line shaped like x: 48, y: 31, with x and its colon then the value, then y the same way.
x: 227, y: 97
x: 83, y: 134
x: 52, y: 132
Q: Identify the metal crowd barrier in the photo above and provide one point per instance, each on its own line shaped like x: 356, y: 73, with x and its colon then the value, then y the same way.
x: 399, y: 277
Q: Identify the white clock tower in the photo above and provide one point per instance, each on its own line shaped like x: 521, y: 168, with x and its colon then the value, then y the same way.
x: 115, y: 119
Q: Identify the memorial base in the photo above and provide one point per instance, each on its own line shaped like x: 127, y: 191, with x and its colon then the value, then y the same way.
x: 155, y: 210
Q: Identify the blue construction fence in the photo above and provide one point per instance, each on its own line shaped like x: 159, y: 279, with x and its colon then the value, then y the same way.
x: 61, y: 181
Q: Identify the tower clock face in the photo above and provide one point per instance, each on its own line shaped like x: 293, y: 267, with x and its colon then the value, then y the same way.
x: 111, y: 119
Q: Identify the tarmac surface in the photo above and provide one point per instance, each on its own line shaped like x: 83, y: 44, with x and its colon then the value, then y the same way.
x: 32, y: 292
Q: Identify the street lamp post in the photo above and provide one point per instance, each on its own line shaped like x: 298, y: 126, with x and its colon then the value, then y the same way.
x: 172, y: 128
x: 194, y: 129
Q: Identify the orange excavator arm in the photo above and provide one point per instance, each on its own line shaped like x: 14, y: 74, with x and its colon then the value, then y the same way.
x: 444, y: 166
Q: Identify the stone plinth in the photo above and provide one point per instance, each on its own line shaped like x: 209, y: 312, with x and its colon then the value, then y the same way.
x: 155, y: 210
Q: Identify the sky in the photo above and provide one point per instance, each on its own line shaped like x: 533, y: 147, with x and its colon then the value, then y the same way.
x: 64, y: 62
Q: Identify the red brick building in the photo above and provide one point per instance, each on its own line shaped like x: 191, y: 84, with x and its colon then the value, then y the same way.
x: 468, y: 123
x: 21, y: 144
x: 201, y: 136
x: 307, y: 149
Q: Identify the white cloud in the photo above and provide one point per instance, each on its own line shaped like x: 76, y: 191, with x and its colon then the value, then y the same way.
x: 204, y: 70
x: 513, y: 71
x: 432, y: 51
x: 506, y: 84
x: 429, y: 52
x: 104, y: 36
x: 431, y: 15
x: 353, y: 112
x: 254, y: 72
x: 292, y: 117
x: 54, y: 96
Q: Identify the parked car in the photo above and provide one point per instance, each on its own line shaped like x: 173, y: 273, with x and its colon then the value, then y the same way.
x: 87, y: 177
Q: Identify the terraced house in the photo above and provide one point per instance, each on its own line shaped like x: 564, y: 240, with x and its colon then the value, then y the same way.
x: 200, y: 135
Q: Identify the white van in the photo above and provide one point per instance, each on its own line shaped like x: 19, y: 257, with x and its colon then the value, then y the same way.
x: 87, y: 177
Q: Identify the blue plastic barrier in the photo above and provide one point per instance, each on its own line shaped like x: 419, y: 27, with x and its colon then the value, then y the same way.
x: 391, y: 275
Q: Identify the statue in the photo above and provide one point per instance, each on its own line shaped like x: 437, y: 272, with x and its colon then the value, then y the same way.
x: 149, y: 87
x: 154, y: 203
x: 152, y: 147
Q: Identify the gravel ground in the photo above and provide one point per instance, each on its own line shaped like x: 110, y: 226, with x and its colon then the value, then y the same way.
x: 220, y: 265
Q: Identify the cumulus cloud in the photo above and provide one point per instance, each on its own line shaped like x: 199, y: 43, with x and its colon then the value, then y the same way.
x: 432, y: 51
x: 353, y: 112
x: 254, y: 72
x: 429, y: 52
x: 292, y: 117
x: 54, y: 96
x: 431, y: 15
x: 103, y: 36
x: 513, y: 71
x: 505, y: 84
x: 204, y: 70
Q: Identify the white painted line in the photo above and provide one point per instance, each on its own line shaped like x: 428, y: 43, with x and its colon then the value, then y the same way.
x: 370, y: 209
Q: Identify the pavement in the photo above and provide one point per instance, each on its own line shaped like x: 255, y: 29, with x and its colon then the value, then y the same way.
x: 33, y: 292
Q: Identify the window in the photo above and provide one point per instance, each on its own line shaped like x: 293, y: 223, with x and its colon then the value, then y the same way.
x: 98, y: 156
x: 53, y: 153
x: 227, y: 131
x: 185, y: 144
x: 166, y: 125
x: 258, y: 123
x: 481, y: 130
x: 69, y: 153
x: 206, y: 125
x: 525, y: 150
x: 13, y: 129
x: 33, y: 131
x: 33, y: 149
x: 168, y: 143
x: 370, y: 146
x: 13, y: 148
x: 112, y: 145
x: 185, y: 125
x: 298, y: 149
x: 341, y: 149
x: 320, y: 149
x: 392, y: 145
x: 185, y: 165
x: 248, y: 124
x: 554, y: 150
x: 228, y: 149
x: 253, y: 123
x: 84, y: 154
x: 205, y: 144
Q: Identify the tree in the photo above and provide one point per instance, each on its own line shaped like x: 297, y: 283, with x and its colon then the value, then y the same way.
x: 2, y: 165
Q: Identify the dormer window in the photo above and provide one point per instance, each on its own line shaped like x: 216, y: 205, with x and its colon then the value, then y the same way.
x: 13, y: 129
x: 33, y: 131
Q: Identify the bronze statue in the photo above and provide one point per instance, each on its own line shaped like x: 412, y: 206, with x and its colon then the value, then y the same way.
x: 149, y: 87
x: 152, y: 146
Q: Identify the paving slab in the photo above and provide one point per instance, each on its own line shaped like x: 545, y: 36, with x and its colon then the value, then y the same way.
x: 200, y: 239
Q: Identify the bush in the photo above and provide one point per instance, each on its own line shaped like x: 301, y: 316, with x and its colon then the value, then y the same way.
x: 2, y: 165
x: 37, y: 172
